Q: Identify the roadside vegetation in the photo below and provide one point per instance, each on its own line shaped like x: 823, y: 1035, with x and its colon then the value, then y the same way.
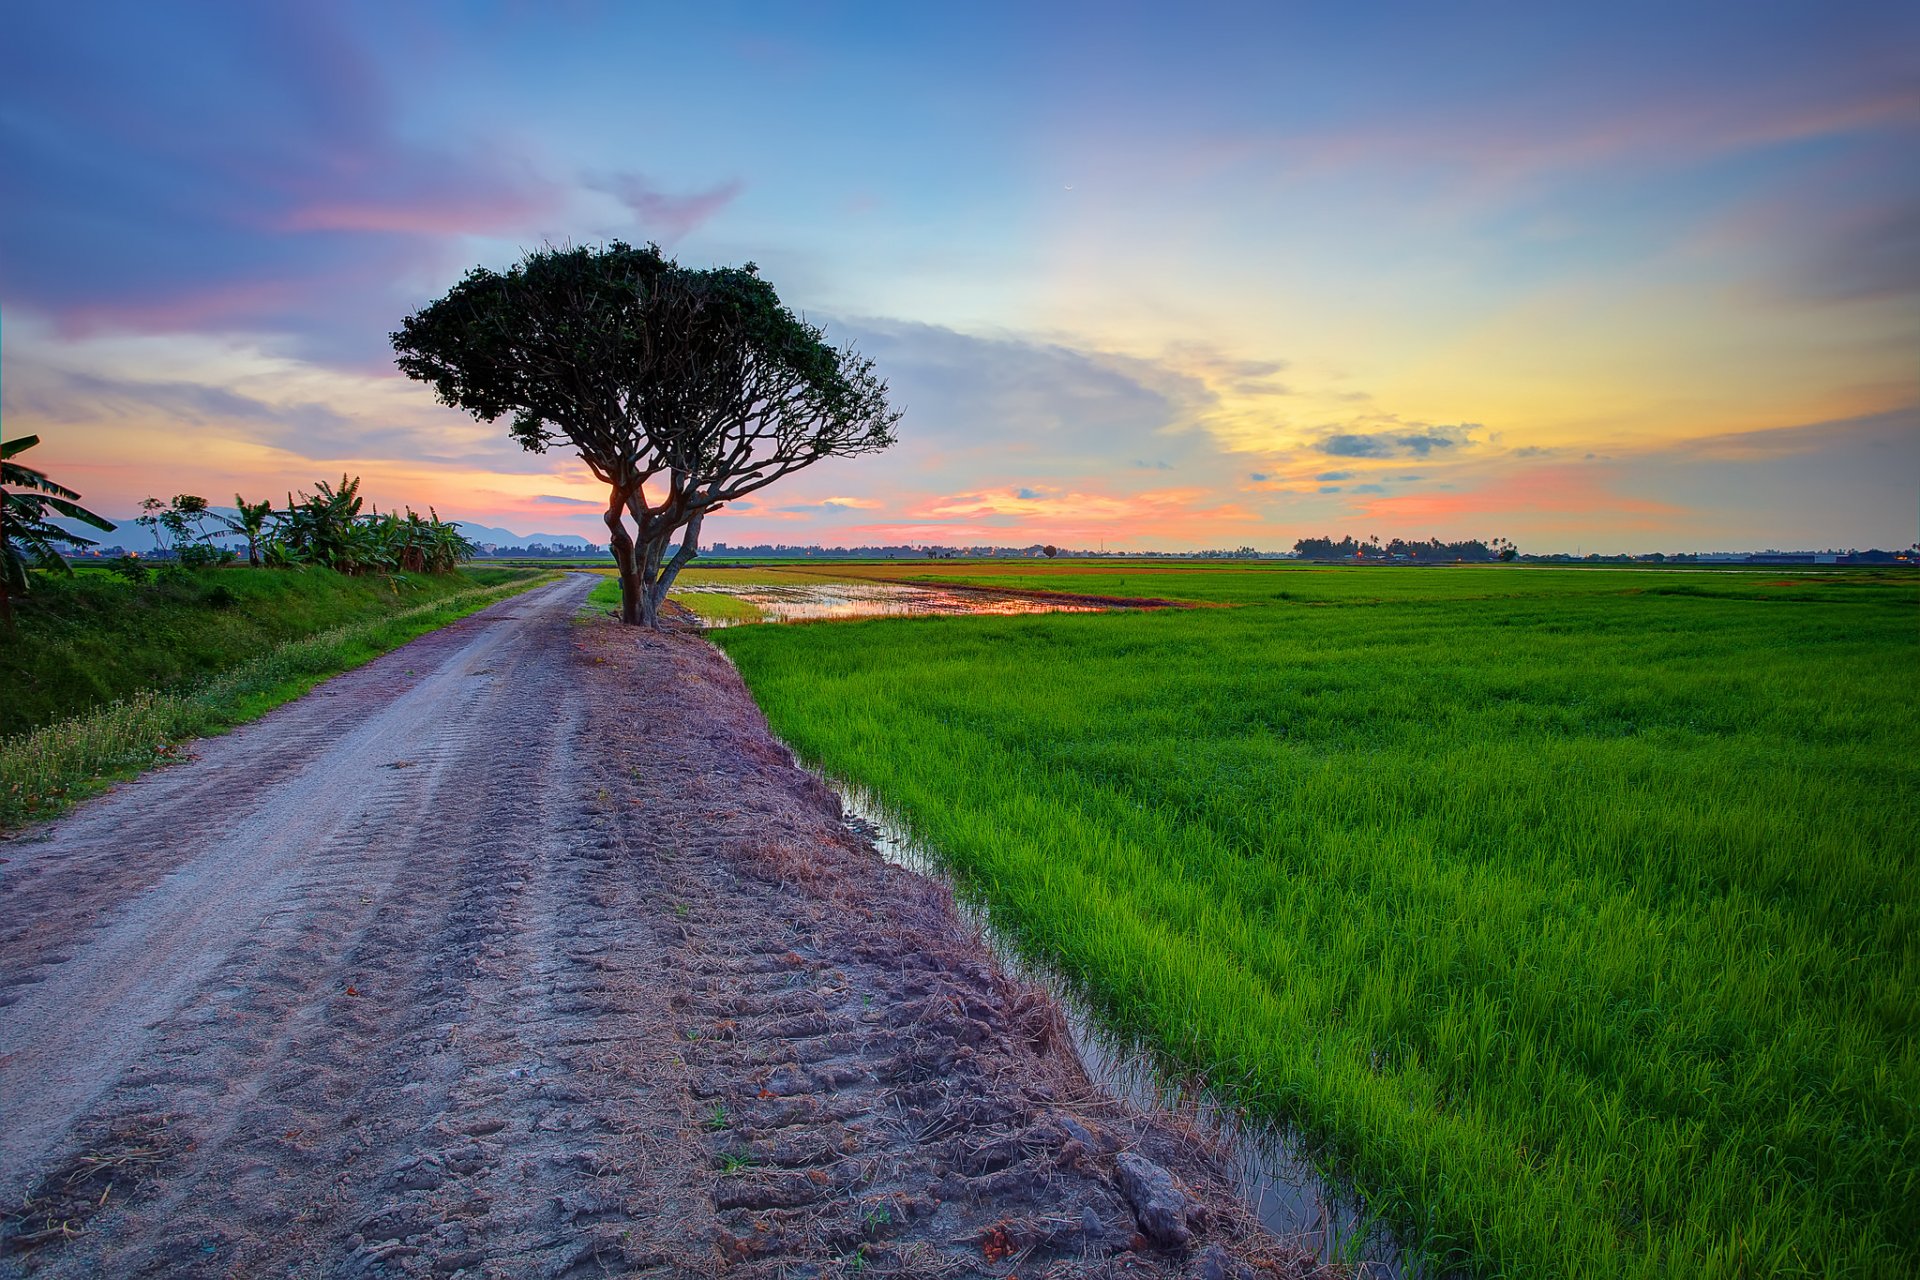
x: 106, y: 669
x: 30, y: 542
x: 95, y: 638
x: 119, y: 674
x: 1572, y: 914
x: 329, y: 528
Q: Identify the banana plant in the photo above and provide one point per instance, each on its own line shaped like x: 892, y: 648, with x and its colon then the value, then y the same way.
x: 323, y: 527
x: 326, y: 527
x: 251, y: 524
x: 28, y: 538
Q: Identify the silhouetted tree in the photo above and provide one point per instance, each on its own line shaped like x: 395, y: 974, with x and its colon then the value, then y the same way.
x: 250, y: 524
x: 681, y: 389
x: 28, y: 539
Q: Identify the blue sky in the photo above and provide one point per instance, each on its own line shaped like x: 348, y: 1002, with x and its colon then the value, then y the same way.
x: 1619, y: 276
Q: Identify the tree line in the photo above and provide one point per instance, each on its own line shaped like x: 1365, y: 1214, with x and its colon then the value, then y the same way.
x: 329, y: 527
x: 1432, y: 551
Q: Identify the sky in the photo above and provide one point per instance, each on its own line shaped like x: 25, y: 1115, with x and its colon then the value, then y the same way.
x: 1608, y: 277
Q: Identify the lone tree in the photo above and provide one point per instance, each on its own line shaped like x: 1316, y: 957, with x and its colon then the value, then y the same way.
x: 681, y: 389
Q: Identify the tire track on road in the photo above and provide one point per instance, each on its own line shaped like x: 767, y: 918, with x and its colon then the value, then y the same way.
x: 526, y: 950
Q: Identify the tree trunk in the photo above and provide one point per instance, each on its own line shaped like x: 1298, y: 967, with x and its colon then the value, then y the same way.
x: 622, y: 543
x: 659, y: 576
x: 653, y: 548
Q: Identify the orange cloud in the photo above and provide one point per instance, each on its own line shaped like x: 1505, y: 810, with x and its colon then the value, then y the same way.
x: 1548, y: 490
x: 1057, y: 502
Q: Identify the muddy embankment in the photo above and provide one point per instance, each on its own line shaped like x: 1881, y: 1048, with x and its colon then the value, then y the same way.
x: 527, y: 951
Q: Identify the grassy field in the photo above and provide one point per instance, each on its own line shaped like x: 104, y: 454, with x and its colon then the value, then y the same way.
x: 1574, y: 912
x: 86, y: 641
x: 278, y: 636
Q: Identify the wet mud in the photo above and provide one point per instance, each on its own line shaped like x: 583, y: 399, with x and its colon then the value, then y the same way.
x: 846, y: 600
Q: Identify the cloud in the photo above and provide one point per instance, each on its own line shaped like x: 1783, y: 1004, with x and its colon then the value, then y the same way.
x: 1837, y: 483
x: 1225, y: 374
x: 1678, y: 115
x: 1004, y: 410
x: 1418, y: 443
x: 1878, y: 256
x: 178, y: 399
x: 555, y: 500
x: 1028, y: 494
x: 245, y: 173
x: 1557, y: 490
x: 826, y: 504
x: 1259, y: 477
x: 1334, y: 475
x: 665, y: 217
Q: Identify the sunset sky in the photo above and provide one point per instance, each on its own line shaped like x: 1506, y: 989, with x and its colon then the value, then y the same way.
x: 1168, y: 277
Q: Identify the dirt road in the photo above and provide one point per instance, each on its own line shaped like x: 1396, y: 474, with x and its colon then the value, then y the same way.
x: 526, y: 951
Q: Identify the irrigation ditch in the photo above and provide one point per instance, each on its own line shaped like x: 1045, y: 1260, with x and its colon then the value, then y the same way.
x: 1287, y: 1190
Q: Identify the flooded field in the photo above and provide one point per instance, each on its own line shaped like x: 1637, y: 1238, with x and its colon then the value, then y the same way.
x: 804, y: 601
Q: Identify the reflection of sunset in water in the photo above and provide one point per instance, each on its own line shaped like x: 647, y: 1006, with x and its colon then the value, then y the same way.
x: 828, y: 601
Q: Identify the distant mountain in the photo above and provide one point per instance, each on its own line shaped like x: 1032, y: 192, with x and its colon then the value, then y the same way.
x: 508, y: 538
x: 132, y: 535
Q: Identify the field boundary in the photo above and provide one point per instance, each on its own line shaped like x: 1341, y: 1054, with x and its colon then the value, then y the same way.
x: 48, y: 769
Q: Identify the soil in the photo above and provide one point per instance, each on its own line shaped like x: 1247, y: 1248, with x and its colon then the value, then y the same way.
x: 524, y: 951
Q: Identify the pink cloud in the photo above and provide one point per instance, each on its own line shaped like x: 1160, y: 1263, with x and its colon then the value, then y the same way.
x: 1058, y: 503
x: 1537, y: 490
x: 668, y: 217
x: 208, y: 306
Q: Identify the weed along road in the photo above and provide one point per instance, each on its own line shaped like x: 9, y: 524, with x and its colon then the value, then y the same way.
x: 525, y: 950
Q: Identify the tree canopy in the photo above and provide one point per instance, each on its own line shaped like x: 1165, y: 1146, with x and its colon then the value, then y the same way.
x: 682, y: 389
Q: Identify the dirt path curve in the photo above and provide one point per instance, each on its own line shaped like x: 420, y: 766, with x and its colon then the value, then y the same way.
x: 525, y: 951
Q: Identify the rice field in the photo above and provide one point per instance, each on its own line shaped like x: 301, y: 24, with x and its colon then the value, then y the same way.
x: 1571, y: 914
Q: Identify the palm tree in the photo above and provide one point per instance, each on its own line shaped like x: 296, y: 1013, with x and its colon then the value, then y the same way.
x: 28, y: 539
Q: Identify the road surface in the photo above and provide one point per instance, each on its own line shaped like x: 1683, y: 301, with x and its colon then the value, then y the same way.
x: 526, y: 951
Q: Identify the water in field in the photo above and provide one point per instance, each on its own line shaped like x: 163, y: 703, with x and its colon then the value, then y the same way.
x: 1293, y: 1199
x: 811, y: 602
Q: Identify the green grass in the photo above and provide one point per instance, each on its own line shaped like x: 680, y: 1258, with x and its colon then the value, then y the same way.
x: 87, y: 641
x: 44, y: 769
x: 1574, y: 913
